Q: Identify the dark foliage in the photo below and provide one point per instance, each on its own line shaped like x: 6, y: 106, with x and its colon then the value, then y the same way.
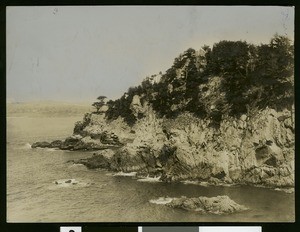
x: 251, y: 77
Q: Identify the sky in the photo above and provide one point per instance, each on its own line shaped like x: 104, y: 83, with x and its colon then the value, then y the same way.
x: 77, y: 53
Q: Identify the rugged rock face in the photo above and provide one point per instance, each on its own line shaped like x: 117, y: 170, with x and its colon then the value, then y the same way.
x: 205, y: 205
x: 255, y: 150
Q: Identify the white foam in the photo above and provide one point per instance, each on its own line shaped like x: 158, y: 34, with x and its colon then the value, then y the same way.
x: 161, y: 200
x: 289, y: 190
x: 27, y: 146
x: 205, y: 184
x: 77, y: 166
x: 124, y: 174
x: 150, y: 179
x: 51, y: 149
x: 190, y: 182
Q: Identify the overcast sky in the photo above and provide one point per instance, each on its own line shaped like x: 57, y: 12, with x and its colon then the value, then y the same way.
x: 78, y: 53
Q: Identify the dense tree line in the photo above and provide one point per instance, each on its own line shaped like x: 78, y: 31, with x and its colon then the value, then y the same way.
x: 251, y: 77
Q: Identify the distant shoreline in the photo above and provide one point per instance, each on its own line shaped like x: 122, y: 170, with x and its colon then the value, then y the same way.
x: 49, y: 109
x: 84, y: 103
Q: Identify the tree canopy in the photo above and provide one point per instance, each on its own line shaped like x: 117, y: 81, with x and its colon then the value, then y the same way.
x: 245, y: 77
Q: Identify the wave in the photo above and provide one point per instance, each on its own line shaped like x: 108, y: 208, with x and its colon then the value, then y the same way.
x: 203, y: 183
x: 206, y: 184
x: 288, y: 190
x: 26, y: 146
x: 150, y: 179
x: 124, y: 174
x: 52, y: 149
x: 20, y: 145
x: 77, y: 166
x: 162, y: 200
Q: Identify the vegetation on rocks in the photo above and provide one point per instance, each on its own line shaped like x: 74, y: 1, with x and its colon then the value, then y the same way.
x: 219, y: 115
x: 248, y: 78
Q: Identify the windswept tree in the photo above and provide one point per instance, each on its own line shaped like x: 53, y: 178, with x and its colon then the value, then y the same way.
x: 275, y: 72
x: 98, y: 104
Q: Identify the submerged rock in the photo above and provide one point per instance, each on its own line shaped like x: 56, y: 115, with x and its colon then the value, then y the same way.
x: 213, y: 205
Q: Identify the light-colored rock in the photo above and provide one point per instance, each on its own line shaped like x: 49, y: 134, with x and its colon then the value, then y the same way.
x: 136, y: 106
x: 205, y: 205
x: 257, y: 150
x: 243, y: 117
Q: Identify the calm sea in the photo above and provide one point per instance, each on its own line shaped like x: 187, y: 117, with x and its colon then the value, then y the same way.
x: 98, y: 195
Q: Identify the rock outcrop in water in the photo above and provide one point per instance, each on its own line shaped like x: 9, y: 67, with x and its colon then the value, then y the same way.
x: 219, y: 122
x: 205, y: 205
x: 41, y: 145
x: 92, y: 142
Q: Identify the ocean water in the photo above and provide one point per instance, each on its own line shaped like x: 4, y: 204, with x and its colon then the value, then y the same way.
x: 37, y: 190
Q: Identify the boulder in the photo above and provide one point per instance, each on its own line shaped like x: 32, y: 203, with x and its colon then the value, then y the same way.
x: 206, y: 205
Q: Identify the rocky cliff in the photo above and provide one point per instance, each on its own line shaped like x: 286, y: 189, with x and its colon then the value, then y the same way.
x: 220, y: 116
x: 256, y: 150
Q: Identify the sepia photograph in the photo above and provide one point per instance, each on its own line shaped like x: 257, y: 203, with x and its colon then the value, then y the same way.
x: 150, y: 114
